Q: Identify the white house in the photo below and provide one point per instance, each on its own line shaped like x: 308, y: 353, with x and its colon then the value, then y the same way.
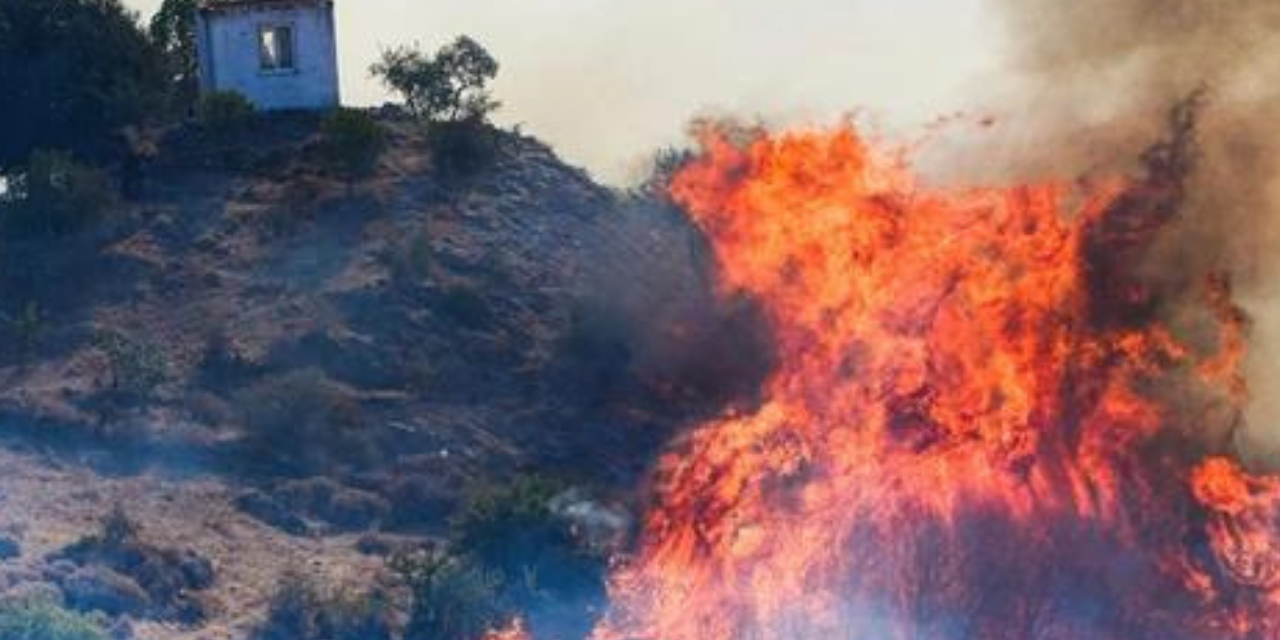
x: 280, y: 54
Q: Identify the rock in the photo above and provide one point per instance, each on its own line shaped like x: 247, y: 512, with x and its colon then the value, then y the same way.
x: 383, y: 545
x: 197, y: 571
x: 59, y: 569
x: 354, y: 510
x: 420, y: 500
x: 33, y: 591
x: 344, y: 508
x: 9, y: 548
x: 270, y: 511
x: 101, y: 589
x: 121, y: 629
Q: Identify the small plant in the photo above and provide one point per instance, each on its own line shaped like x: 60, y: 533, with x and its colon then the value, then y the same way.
x: 453, y: 599
x: 53, y: 196
x: 27, y: 326
x: 118, y: 529
x: 545, y: 572
x: 302, y: 417
x: 410, y: 259
x: 450, y: 91
x: 462, y: 148
x: 224, y: 114
x: 41, y: 619
x: 663, y: 167
x: 166, y: 580
x: 135, y: 368
x: 301, y: 609
x: 352, y: 142
x: 494, y: 524
x: 464, y: 305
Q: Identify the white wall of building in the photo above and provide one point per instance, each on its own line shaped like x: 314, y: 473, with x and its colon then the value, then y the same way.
x: 228, y: 38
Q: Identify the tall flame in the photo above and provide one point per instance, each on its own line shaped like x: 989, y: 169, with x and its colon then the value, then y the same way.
x: 976, y: 428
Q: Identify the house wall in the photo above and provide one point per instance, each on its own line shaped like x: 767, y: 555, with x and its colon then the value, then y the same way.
x: 228, y: 44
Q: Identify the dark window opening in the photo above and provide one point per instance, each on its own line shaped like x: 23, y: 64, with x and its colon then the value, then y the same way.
x: 276, y: 48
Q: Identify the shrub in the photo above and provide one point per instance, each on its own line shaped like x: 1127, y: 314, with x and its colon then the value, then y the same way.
x: 43, y: 620
x: 53, y: 196
x: 223, y: 114
x: 172, y: 30
x: 302, y: 417
x: 514, y: 531
x: 450, y: 86
x: 136, y: 368
x: 460, y: 149
x: 301, y: 609
x: 410, y: 259
x: 71, y: 74
x: 595, y: 356
x: 352, y: 142
x: 663, y: 167
x: 453, y: 599
x: 27, y: 326
x: 121, y: 572
x: 464, y: 305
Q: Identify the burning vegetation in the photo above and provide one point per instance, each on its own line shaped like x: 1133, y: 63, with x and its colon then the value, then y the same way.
x: 980, y: 424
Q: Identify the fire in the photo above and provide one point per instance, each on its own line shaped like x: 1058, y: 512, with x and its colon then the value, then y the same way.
x: 976, y: 428
x: 513, y: 631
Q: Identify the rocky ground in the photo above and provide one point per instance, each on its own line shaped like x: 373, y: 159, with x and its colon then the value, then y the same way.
x: 265, y: 365
x: 51, y: 499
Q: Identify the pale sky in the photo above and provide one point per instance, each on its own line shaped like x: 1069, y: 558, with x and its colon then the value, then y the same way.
x: 607, y: 81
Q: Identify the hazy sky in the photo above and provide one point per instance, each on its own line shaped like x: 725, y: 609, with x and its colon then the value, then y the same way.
x: 607, y: 81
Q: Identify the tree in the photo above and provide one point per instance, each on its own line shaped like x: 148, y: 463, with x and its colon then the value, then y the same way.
x: 52, y: 196
x: 173, y: 30
x: 451, y: 86
x: 71, y: 73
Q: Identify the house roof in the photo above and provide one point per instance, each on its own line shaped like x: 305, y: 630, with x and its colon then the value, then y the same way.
x: 220, y: 6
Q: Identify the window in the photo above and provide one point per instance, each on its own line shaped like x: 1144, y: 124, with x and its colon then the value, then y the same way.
x: 276, y: 48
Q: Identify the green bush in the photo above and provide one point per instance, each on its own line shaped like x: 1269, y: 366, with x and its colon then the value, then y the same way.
x: 461, y: 149
x: 44, y: 620
x: 464, y: 305
x: 303, y: 418
x: 27, y: 326
x: 352, y: 142
x: 53, y: 196
x: 302, y: 609
x: 453, y: 599
x: 135, y: 367
x: 450, y: 86
x: 224, y: 113
x: 545, y: 573
x: 410, y: 259
x: 501, y: 525
x: 72, y: 73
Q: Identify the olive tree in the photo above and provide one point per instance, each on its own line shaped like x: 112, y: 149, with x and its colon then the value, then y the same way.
x: 451, y: 86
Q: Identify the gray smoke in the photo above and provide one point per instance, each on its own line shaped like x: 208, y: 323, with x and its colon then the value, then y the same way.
x: 1097, y: 77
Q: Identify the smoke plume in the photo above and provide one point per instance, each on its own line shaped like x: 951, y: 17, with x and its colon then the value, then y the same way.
x: 1097, y: 74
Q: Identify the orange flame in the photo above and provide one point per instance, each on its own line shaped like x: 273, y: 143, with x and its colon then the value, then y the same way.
x: 513, y: 631
x: 965, y: 435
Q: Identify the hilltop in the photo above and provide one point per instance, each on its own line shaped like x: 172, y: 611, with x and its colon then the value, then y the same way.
x: 254, y: 329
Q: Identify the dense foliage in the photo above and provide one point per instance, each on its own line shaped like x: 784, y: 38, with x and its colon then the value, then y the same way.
x: 52, y: 195
x: 223, y: 114
x: 450, y: 86
x: 72, y: 72
x: 453, y: 599
x: 172, y: 29
x: 44, y: 620
x: 303, y: 609
x: 352, y: 142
